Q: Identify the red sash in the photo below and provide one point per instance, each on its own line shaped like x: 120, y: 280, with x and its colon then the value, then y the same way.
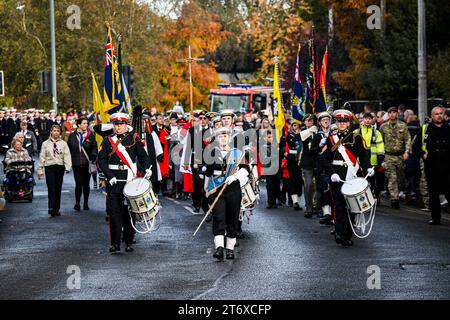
x: 118, y: 153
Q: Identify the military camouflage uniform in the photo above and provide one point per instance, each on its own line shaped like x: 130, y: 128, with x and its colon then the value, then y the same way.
x: 423, y: 185
x: 397, y: 141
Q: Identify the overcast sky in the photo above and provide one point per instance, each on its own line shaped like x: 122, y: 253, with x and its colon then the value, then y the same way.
x: 164, y: 7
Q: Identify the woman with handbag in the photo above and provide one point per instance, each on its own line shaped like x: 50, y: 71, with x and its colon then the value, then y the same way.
x: 83, y: 149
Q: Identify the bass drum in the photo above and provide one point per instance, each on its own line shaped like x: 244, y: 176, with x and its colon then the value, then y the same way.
x: 144, y: 204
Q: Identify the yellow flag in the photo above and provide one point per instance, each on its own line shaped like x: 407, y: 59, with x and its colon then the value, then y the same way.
x: 97, y: 104
x: 278, y: 112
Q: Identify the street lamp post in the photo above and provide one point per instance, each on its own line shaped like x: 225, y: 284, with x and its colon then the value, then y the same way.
x: 422, y: 64
x: 53, y: 50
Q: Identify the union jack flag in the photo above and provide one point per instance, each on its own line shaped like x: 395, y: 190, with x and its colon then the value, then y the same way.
x: 112, y: 84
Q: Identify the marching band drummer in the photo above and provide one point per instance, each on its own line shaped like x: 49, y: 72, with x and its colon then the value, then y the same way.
x: 343, y: 154
x: 117, y: 160
x: 227, y: 208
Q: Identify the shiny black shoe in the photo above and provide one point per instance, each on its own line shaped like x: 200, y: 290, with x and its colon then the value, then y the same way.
x: 434, y: 222
x: 333, y: 232
x: 308, y: 215
x: 395, y: 204
x: 218, y: 254
x: 209, y: 218
x: 297, y: 207
x: 326, y: 220
x: 57, y: 214
x: 114, y: 248
x: 77, y: 207
x: 50, y: 212
x: 240, y: 235
x: 196, y: 210
x: 229, y: 254
x: 339, y: 239
x: 129, y: 249
x: 86, y: 207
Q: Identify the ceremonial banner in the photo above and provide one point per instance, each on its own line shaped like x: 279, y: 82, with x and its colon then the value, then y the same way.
x: 112, y: 84
x: 297, y: 110
x: 278, y: 112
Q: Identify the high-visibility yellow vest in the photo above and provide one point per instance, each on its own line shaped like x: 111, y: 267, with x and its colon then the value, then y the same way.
x: 424, y: 138
x: 374, y: 141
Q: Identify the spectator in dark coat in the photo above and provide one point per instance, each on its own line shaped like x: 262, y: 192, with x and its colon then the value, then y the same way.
x: 83, y: 149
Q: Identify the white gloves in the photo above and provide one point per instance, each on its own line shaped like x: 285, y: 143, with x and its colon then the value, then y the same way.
x: 322, y: 142
x: 371, y: 172
x: 335, y: 177
x: 113, y: 181
x: 231, y: 179
x: 148, y: 173
x: 305, y: 134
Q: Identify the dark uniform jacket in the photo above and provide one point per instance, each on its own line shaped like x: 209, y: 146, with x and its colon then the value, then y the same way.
x: 355, y: 144
x: 196, y: 144
x: 89, y: 145
x: 135, y: 148
x: 437, y: 146
x: 308, y: 158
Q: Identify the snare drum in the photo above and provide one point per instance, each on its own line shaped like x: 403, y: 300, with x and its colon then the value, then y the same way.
x: 249, y: 195
x: 358, y: 195
x: 141, y: 198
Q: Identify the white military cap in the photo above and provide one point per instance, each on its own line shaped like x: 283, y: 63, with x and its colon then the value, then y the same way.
x: 119, y: 117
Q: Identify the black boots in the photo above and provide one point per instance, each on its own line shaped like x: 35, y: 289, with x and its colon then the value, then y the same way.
x: 114, y: 248
x: 230, y: 254
x: 395, y: 204
x: 326, y: 220
x: 297, y: 206
x: 344, y: 241
x: 218, y: 254
x: 434, y: 222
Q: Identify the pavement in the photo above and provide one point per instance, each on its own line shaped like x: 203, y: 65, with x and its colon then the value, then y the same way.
x: 283, y: 257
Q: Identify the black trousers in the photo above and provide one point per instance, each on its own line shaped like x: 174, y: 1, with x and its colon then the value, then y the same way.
x: 323, y: 191
x: 342, y: 223
x: 273, y: 188
x: 119, y: 218
x: 377, y: 182
x: 226, y: 211
x: 82, y: 180
x: 54, y: 176
x: 295, y: 177
x: 156, y: 187
x: 437, y: 184
x: 198, y: 196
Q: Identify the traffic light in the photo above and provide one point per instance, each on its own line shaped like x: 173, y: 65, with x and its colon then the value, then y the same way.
x: 128, y: 75
x: 46, y: 81
x: 2, y: 85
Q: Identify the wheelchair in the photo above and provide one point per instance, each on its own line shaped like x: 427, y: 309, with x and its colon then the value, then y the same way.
x: 18, y: 184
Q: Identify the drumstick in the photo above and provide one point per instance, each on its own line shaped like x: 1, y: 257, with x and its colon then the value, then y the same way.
x: 140, y: 182
x: 217, y: 198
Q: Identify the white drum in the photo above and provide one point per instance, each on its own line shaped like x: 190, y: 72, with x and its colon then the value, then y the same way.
x: 143, y: 202
x: 362, y: 204
x: 249, y: 196
x: 358, y: 195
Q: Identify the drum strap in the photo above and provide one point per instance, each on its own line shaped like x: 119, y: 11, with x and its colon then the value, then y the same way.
x: 348, y: 157
x: 122, y: 153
